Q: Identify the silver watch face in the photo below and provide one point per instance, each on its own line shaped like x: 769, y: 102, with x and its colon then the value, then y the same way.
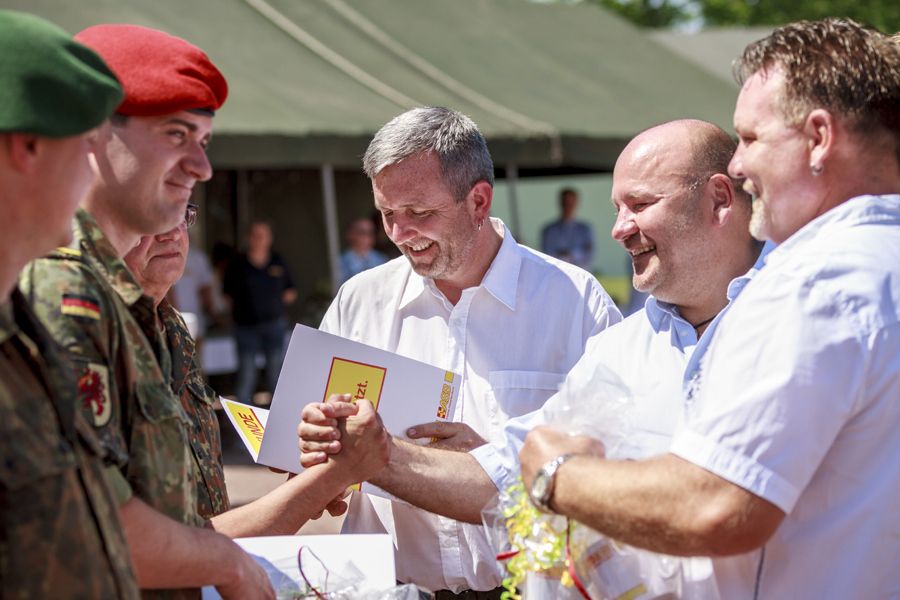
x: 539, y: 486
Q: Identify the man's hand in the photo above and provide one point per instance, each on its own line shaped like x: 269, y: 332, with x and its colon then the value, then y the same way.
x: 543, y: 444
x: 318, y: 430
x: 247, y: 579
x: 365, y: 445
x: 448, y: 436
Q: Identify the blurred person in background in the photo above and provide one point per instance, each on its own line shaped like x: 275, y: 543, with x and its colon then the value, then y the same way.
x: 259, y: 287
x: 567, y: 238
x: 361, y: 253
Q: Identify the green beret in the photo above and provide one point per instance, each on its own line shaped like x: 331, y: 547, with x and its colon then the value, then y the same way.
x: 50, y: 84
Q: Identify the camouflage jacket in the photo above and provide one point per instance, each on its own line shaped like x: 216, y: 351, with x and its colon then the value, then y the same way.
x: 60, y: 535
x: 197, y: 400
x: 93, y: 307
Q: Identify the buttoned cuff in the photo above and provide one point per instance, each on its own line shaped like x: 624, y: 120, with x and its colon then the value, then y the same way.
x: 496, y: 465
x: 736, y: 468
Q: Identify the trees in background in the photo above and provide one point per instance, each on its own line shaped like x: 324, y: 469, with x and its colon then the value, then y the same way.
x: 883, y: 14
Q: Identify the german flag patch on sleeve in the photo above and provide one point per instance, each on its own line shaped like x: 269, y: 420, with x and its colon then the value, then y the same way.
x: 76, y: 305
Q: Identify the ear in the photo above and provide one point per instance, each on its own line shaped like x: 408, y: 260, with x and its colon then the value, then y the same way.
x: 23, y: 149
x: 720, y: 190
x: 479, y: 199
x: 819, y: 128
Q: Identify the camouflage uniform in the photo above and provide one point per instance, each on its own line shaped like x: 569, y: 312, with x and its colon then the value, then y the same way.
x: 93, y: 307
x: 197, y: 400
x: 60, y: 535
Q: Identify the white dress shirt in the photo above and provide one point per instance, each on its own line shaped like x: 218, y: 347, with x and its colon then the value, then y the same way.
x: 798, y: 401
x: 512, y: 338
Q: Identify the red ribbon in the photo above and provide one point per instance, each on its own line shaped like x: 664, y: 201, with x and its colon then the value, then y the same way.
x: 570, y: 564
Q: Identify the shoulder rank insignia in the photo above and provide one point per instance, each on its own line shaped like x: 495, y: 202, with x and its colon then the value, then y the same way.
x: 76, y: 305
x: 93, y: 390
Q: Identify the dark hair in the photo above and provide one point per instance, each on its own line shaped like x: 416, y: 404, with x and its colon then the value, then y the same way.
x: 566, y: 191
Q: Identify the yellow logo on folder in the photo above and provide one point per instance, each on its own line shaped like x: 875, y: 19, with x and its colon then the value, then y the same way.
x: 249, y: 424
x: 355, y: 378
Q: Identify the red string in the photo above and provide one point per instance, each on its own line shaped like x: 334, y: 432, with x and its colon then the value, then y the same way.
x: 507, y: 555
x: 319, y: 595
x: 570, y: 563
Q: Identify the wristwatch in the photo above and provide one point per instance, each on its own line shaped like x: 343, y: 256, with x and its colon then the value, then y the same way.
x: 542, y: 487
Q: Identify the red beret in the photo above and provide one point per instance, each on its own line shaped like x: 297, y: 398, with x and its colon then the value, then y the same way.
x: 161, y: 74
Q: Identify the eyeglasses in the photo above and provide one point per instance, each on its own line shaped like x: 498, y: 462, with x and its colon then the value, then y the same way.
x: 190, y: 215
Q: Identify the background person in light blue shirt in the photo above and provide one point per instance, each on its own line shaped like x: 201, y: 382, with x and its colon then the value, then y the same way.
x: 360, y: 254
x: 566, y: 238
x: 788, y: 464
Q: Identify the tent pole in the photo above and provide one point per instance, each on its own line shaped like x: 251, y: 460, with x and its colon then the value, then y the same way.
x: 512, y: 182
x: 243, y: 208
x: 331, y: 224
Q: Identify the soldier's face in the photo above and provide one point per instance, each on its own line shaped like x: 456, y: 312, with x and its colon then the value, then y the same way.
x: 148, y: 167
x: 157, y: 262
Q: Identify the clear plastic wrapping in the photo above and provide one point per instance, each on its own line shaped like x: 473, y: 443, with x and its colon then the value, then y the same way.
x: 550, y: 556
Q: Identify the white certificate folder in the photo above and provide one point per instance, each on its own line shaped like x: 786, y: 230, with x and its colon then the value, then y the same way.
x: 405, y: 392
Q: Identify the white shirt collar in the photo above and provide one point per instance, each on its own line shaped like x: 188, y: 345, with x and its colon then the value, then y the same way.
x: 861, y: 209
x: 501, y: 279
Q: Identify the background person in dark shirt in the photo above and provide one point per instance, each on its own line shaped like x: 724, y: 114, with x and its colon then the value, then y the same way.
x: 259, y: 286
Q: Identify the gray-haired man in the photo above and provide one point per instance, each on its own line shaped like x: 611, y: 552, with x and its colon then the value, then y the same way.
x: 467, y: 298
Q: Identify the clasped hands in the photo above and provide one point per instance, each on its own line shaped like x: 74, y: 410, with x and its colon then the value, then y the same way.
x: 352, y: 435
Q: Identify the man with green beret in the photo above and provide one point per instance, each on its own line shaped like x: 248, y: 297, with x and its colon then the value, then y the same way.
x: 146, y: 159
x: 60, y: 535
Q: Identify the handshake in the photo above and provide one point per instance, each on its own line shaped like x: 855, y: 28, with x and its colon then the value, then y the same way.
x: 349, y: 439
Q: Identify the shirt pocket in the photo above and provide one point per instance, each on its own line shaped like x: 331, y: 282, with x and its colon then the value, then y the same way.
x: 199, y: 390
x: 157, y: 403
x: 519, y: 392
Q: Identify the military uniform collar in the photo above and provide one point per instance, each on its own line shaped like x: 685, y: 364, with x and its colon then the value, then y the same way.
x: 99, y: 252
x: 179, y: 341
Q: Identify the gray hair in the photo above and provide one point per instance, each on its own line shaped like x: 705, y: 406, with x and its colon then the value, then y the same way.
x: 451, y: 135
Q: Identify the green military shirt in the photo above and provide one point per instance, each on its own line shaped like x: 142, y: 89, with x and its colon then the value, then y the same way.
x: 87, y: 298
x: 197, y: 400
x: 60, y: 535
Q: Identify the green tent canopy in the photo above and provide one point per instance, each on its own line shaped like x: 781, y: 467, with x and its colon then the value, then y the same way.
x: 552, y: 85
